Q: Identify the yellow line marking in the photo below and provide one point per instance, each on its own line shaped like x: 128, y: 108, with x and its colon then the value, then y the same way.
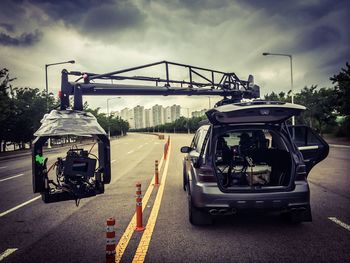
x: 124, y: 240
x: 147, y: 234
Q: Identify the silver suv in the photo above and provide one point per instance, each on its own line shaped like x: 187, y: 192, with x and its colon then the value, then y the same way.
x: 246, y: 157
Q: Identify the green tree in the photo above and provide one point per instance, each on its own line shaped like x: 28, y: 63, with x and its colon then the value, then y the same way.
x: 30, y: 107
x: 6, y: 106
x: 342, y: 87
x: 180, y: 125
x: 321, y: 106
x: 282, y: 96
x: 320, y: 103
x: 117, y: 125
x: 21, y: 110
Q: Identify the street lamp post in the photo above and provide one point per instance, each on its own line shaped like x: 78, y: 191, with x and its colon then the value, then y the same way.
x: 188, y: 119
x: 209, y: 103
x: 108, y: 115
x: 291, y: 74
x: 47, y: 87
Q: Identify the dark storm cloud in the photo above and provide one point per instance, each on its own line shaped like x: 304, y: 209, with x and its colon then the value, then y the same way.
x: 319, y: 37
x: 101, y: 18
x: 113, y: 18
x: 69, y: 11
x: 293, y: 13
x: 11, y: 9
x: 8, y: 27
x: 25, y: 39
x: 92, y: 15
x: 310, y: 27
x: 193, y: 5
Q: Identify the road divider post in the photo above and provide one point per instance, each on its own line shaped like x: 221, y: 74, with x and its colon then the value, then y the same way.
x: 139, y: 227
x: 110, y: 241
x: 165, y: 150
x: 166, y: 147
x: 156, y: 173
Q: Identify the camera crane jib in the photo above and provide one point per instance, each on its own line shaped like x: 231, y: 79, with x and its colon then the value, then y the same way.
x: 199, y: 81
x: 81, y: 174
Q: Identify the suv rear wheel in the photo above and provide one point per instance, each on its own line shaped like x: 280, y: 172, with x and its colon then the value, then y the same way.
x: 197, y: 217
x: 184, y: 178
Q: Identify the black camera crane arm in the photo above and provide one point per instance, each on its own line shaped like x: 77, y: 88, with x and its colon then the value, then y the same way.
x: 77, y: 182
x: 211, y: 82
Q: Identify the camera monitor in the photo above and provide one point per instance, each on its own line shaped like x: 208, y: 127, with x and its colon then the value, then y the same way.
x: 79, y: 166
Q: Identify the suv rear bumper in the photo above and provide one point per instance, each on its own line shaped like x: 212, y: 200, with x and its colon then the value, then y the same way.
x: 208, y: 197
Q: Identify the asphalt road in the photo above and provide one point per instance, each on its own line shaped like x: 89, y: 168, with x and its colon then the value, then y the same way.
x: 62, y: 232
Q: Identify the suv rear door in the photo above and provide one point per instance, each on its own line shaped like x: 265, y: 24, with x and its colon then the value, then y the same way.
x: 313, y: 148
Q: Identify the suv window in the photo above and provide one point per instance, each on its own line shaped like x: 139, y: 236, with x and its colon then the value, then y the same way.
x: 303, y: 136
x: 198, y: 139
x: 195, y: 140
x: 257, y: 138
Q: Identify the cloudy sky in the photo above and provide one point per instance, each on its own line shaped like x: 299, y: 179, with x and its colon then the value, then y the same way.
x: 108, y: 35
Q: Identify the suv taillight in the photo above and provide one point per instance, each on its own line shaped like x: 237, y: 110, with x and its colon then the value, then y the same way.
x: 206, y: 174
x: 300, y: 172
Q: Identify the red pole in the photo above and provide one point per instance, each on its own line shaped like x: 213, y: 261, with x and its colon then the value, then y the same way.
x: 139, y: 226
x: 110, y: 240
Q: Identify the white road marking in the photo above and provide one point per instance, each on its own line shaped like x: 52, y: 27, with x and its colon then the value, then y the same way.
x: 19, y: 206
x: 139, y: 147
x: 11, y: 177
x: 3, y: 167
x: 338, y: 222
x: 112, y: 161
x: 7, y: 252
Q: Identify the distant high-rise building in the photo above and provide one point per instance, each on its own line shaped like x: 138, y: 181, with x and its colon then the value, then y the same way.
x: 124, y: 114
x: 158, y: 115
x: 148, y: 118
x: 175, y: 112
x: 131, y: 119
x: 167, y: 115
x: 139, y: 118
x: 128, y: 115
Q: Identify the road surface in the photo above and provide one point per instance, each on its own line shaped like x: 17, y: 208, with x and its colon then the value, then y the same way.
x: 31, y: 231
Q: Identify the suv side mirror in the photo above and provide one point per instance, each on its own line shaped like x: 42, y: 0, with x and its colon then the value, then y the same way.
x: 186, y: 149
x: 313, y: 148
